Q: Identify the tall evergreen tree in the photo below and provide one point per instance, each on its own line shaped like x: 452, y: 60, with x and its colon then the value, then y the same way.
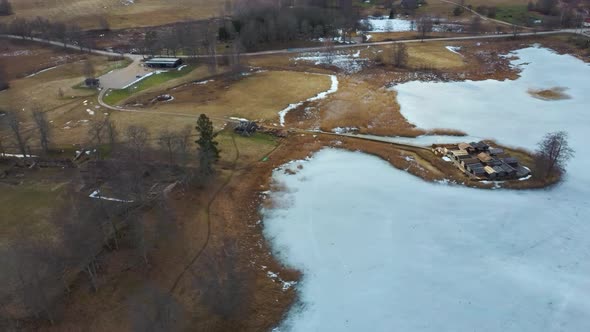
x: 208, y: 150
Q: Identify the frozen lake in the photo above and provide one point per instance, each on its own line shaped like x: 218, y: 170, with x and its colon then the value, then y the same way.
x: 382, y: 250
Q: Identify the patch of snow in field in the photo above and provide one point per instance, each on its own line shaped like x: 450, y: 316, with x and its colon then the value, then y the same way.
x: 89, y: 111
x: 16, y: 53
x: 319, y: 96
x: 42, y: 71
x: 238, y: 119
x: 454, y: 49
x: 382, y: 250
x: 16, y: 155
x: 204, y: 82
x: 181, y: 67
x: 385, y: 24
x: 344, y: 130
x: 96, y: 194
x: 349, y: 63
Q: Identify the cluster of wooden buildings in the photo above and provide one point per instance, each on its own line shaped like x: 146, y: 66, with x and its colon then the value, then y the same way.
x: 481, y: 161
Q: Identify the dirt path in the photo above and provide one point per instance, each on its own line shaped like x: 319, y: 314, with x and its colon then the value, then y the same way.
x: 208, y: 216
x: 121, y: 109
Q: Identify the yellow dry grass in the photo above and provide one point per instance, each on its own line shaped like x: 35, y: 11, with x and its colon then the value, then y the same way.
x: 433, y: 55
x: 119, y: 13
x: 259, y: 96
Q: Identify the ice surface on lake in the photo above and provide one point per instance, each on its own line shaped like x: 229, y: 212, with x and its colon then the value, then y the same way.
x: 382, y: 250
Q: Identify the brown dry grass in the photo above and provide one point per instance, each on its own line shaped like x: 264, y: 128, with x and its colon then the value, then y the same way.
x: 556, y: 93
x: 20, y: 58
x: 86, y: 13
x: 258, y: 96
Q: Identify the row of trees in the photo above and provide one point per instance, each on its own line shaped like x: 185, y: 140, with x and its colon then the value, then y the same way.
x: 48, y: 30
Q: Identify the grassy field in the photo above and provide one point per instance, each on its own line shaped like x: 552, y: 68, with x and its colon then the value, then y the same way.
x: 518, y: 14
x: 115, y: 96
x: 256, y: 96
x: 27, y: 208
x: 119, y: 13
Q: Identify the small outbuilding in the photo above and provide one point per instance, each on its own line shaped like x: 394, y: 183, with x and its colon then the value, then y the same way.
x: 495, y: 151
x: 484, y: 157
x: 92, y: 82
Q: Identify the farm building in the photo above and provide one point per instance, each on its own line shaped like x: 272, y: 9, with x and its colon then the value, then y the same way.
x: 480, y: 161
x: 163, y: 62
x: 92, y: 82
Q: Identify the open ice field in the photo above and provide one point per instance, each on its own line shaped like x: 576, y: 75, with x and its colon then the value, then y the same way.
x: 382, y: 250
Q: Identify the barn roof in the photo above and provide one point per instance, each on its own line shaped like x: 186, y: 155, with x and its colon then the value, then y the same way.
x: 163, y: 60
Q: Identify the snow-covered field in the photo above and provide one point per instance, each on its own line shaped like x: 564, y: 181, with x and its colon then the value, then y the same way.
x: 350, y: 63
x: 386, y: 24
x: 382, y: 250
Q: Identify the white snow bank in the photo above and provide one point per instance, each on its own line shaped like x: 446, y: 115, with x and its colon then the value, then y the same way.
x: 96, y: 194
x: 89, y: 111
x: 41, y: 71
x: 238, y: 119
x: 321, y: 95
x: 181, y: 67
x: 454, y: 49
x: 16, y: 155
x: 140, y: 79
x: 204, y: 82
x: 344, y: 130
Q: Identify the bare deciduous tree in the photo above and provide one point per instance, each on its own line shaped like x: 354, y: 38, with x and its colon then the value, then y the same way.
x: 167, y: 141
x: 156, y: 310
x: 96, y: 131
x: 424, y: 25
x: 43, y: 127
x: 111, y: 132
x: 15, y: 127
x: 88, y: 69
x: 553, y: 154
x: 5, y: 8
x: 400, y: 55
x: 4, y: 84
x: 137, y: 140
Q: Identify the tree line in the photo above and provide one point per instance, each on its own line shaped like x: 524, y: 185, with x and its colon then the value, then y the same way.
x: 138, y: 167
x: 5, y: 8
